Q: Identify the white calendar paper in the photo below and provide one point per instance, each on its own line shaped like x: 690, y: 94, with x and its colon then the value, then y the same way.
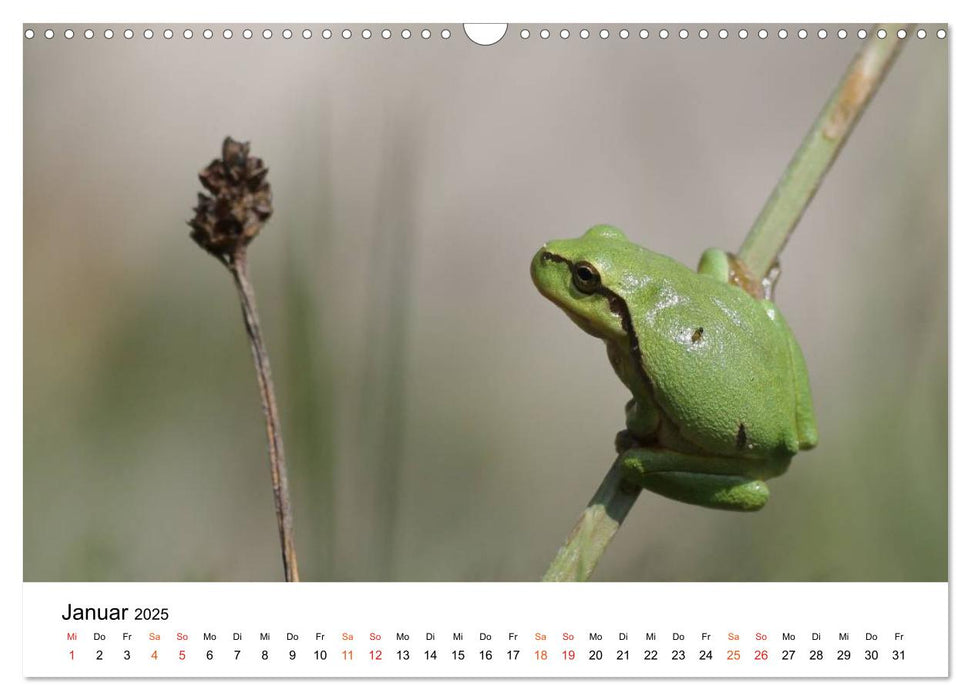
x: 487, y: 630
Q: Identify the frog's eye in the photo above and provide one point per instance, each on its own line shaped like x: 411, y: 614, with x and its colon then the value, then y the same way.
x: 586, y: 278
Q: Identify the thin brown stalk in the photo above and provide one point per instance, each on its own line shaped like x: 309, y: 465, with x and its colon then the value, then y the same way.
x: 227, y: 219
x: 278, y: 468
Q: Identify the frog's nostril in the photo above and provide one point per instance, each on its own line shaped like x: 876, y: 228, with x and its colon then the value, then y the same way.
x: 546, y: 256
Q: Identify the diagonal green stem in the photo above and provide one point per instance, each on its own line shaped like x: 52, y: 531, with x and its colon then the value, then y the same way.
x: 595, y: 529
x: 819, y: 149
x: 599, y: 522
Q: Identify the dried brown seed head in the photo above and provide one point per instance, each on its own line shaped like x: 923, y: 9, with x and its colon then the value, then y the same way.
x: 239, y: 203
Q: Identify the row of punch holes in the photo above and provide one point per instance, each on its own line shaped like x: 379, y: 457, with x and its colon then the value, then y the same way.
x: 446, y: 33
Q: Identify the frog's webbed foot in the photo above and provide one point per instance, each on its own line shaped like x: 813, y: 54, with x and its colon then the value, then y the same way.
x: 713, y: 482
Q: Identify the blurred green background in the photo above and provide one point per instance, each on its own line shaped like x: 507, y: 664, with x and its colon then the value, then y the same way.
x: 442, y: 420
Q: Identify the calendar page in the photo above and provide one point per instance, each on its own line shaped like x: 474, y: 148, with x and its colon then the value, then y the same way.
x: 422, y: 349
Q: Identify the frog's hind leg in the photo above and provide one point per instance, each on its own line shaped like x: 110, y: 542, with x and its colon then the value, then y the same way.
x: 713, y: 482
x: 805, y: 416
x: 806, y: 433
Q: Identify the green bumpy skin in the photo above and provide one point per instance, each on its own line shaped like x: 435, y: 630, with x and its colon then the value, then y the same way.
x: 721, y: 398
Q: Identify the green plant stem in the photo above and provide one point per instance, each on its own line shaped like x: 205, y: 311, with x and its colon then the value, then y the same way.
x: 596, y: 527
x: 278, y: 467
x: 599, y: 522
x: 819, y: 149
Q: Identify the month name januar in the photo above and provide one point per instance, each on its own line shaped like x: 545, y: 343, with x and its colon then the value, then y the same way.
x: 76, y: 613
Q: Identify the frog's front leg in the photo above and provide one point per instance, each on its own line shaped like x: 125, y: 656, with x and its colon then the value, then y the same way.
x: 642, y: 419
x: 730, y: 269
x: 726, y: 483
x: 715, y: 263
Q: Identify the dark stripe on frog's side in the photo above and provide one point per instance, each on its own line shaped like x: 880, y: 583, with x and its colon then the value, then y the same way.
x: 619, y: 307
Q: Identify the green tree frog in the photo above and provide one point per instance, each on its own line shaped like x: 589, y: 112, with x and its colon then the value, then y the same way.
x: 721, y: 398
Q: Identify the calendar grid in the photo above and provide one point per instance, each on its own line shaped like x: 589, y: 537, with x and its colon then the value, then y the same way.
x: 486, y: 630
